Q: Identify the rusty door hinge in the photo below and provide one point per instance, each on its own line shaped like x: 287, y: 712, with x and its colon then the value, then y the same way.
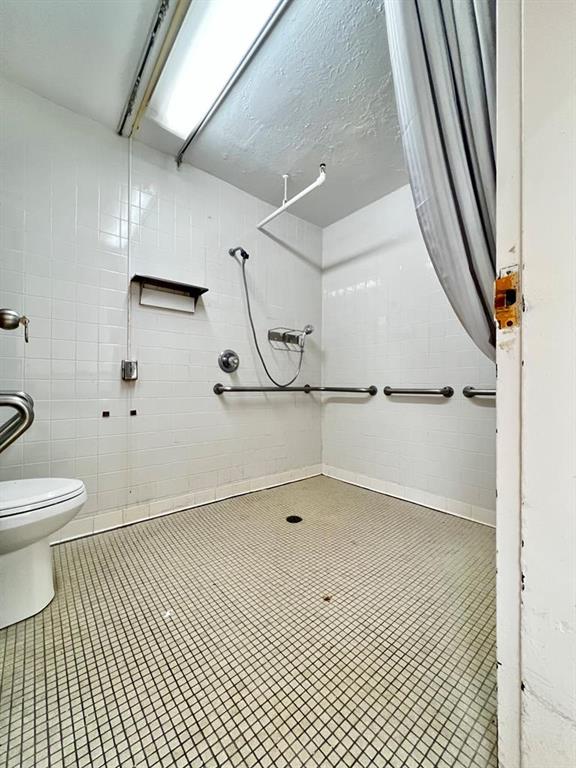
x: 507, y: 298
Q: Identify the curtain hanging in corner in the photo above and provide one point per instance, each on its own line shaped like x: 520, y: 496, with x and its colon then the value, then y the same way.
x: 443, y: 55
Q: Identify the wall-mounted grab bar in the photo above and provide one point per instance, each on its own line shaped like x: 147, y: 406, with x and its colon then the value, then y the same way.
x: 444, y: 391
x: 11, y: 430
x: 220, y: 389
x: 473, y: 392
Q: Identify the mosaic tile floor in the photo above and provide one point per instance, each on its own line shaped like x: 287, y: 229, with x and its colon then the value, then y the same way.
x: 226, y: 636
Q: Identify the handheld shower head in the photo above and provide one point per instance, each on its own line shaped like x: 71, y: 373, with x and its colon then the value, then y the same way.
x: 301, y: 335
x: 238, y: 249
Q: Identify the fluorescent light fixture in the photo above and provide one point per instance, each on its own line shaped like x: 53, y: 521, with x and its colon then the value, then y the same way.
x: 214, y: 39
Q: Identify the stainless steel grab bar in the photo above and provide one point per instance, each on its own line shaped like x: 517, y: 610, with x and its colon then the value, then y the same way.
x: 220, y: 389
x: 473, y: 392
x: 444, y: 391
x: 20, y: 422
x: 22, y: 395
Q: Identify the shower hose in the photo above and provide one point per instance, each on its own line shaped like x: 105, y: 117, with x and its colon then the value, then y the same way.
x: 272, y: 379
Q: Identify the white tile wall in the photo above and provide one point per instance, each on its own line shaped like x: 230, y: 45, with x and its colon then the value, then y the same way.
x: 386, y: 321
x: 63, y: 261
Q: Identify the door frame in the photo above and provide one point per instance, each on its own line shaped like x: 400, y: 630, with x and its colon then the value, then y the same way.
x: 509, y: 384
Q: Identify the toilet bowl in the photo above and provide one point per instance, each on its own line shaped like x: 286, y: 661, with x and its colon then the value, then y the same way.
x: 31, y: 511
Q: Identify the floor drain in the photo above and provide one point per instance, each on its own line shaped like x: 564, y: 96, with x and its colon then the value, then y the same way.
x: 293, y: 519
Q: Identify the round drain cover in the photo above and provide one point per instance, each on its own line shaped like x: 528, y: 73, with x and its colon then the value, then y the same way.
x: 293, y: 519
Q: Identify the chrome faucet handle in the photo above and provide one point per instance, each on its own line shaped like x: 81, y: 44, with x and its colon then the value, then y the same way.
x: 25, y: 322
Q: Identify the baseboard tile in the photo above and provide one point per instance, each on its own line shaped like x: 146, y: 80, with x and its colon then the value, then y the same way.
x: 137, y: 513
x: 423, y: 498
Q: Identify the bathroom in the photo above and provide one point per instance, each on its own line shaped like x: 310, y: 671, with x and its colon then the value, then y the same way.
x: 258, y: 504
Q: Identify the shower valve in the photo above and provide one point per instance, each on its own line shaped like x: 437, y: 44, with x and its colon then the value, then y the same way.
x: 228, y: 361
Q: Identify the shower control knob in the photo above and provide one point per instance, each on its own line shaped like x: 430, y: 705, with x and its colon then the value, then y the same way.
x: 228, y: 361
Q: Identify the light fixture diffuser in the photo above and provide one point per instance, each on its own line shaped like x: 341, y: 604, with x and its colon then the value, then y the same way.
x: 212, y: 43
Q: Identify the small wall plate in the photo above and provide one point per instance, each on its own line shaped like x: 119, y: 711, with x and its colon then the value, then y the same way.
x: 228, y: 361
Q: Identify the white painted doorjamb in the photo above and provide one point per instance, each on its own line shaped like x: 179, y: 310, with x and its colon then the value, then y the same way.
x: 548, y: 424
x: 536, y: 419
x: 509, y: 361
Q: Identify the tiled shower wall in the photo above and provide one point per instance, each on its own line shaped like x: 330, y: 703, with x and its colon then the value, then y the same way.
x: 387, y: 321
x: 63, y: 262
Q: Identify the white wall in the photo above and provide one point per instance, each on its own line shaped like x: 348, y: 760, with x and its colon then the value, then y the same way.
x: 63, y: 262
x: 386, y: 321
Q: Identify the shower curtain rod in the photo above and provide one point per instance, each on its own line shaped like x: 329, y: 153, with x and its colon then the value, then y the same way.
x: 287, y: 203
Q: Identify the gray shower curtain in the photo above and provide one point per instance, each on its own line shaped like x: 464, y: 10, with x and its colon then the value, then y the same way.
x: 443, y: 55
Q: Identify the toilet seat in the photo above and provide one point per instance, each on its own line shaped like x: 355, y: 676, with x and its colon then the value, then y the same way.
x: 19, y: 496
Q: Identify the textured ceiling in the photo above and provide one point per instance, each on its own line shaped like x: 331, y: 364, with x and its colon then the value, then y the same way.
x: 81, y: 54
x: 319, y: 90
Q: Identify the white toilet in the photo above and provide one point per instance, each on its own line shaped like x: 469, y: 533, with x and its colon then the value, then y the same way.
x: 30, y: 512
